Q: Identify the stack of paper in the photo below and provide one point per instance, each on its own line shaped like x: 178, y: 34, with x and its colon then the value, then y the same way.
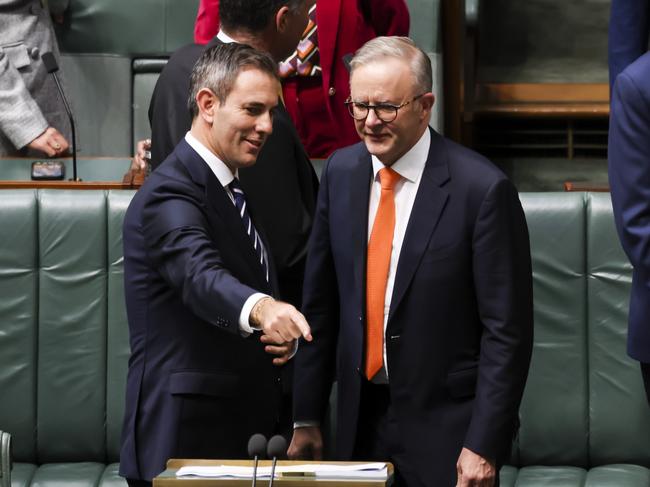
x: 377, y: 471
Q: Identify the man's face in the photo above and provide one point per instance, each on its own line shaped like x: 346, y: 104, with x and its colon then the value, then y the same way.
x: 243, y: 122
x: 389, y: 81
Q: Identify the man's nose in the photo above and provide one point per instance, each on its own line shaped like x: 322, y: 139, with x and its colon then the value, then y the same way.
x: 372, y: 120
x: 265, y: 123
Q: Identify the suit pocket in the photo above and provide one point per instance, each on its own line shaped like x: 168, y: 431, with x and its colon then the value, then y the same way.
x: 204, y: 384
x: 17, y: 54
x: 462, y: 383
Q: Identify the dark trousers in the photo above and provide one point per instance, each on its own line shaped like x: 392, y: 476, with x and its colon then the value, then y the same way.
x: 138, y: 483
x: 378, y: 437
x: 645, y: 372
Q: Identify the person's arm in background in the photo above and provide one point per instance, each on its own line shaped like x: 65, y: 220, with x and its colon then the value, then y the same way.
x: 387, y: 17
x: 21, y: 119
x: 207, y: 21
x: 629, y: 32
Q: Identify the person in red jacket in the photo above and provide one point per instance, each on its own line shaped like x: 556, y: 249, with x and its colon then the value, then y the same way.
x: 315, y: 77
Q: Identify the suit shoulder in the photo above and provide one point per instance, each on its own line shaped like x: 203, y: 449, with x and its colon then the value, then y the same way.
x: 340, y: 158
x: 470, y: 166
x: 637, y: 73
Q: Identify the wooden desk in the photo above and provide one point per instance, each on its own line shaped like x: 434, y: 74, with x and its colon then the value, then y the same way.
x: 168, y: 477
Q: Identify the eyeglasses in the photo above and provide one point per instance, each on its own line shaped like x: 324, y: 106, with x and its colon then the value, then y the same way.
x: 386, y: 112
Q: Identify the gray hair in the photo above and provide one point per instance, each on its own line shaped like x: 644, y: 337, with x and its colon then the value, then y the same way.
x: 218, y: 68
x: 399, y: 48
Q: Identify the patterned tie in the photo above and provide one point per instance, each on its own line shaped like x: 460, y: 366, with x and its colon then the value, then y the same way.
x: 240, y: 203
x: 305, y: 60
x: 379, y: 250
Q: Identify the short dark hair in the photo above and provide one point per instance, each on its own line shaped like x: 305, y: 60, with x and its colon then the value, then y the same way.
x: 218, y: 68
x: 251, y: 15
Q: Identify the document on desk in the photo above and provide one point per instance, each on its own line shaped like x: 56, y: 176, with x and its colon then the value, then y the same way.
x: 376, y: 471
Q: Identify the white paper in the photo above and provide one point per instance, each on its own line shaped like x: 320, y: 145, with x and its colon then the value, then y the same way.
x: 376, y: 470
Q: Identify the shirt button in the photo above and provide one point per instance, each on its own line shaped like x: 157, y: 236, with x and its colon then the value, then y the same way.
x: 34, y: 52
x: 332, y: 91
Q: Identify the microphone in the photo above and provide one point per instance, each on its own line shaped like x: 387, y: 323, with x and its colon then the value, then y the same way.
x: 52, y: 67
x: 277, y: 448
x: 256, y: 449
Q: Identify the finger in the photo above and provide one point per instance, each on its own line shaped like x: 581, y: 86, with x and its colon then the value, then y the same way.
x: 266, y: 339
x: 299, y: 320
x: 280, y: 360
x: 277, y: 350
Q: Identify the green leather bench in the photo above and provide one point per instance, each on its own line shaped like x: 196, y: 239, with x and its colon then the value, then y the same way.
x: 64, y: 345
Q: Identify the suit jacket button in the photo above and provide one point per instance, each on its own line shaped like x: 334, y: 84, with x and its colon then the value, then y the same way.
x: 34, y: 52
x: 332, y: 91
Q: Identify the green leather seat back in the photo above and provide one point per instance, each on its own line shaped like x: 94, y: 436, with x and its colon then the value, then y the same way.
x: 554, y: 412
x: 145, y: 76
x: 134, y: 29
x: 99, y: 89
x: 18, y: 320
x: 71, y: 313
x: 619, y: 417
x: 64, y: 334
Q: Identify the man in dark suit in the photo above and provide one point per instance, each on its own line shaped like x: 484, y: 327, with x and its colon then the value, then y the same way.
x: 629, y: 179
x: 198, y: 281
x: 629, y: 33
x: 418, y: 290
x: 282, y: 185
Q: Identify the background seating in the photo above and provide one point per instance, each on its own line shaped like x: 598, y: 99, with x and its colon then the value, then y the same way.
x: 64, y: 337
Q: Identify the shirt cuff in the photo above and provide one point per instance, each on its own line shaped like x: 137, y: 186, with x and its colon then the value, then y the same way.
x: 244, y: 316
x: 306, y: 424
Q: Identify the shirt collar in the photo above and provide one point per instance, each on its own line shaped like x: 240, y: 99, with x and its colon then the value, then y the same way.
x: 411, y: 165
x: 218, y: 167
x: 225, y: 38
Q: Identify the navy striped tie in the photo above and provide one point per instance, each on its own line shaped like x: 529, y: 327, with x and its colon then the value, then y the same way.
x: 240, y: 203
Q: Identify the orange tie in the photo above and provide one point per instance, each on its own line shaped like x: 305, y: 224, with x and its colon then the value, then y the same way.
x: 379, y: 249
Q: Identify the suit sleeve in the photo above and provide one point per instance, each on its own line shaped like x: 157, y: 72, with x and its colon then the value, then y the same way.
x: 181, y: 248
x: 629, y: 32
x: 207, y: 21
x: 388, y: 17
x: 503, y: 286
x: 21, y: 119
x: 629, y: 169
x: 314, y: 362
x: 168, y: 113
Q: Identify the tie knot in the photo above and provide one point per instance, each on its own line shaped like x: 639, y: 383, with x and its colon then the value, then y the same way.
x: 388, y: 178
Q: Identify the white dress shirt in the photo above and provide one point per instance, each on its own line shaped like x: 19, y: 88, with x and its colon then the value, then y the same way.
x: 410, y: 167
x: 225, y: 177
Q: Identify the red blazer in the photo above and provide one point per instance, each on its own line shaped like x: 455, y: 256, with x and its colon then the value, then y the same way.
x: 343, y: 27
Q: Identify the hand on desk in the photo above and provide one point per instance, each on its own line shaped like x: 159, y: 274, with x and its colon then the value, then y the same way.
x: 306, y: 444
x: 474, y: 470
x: 142, y: 155
x: 50, y: 142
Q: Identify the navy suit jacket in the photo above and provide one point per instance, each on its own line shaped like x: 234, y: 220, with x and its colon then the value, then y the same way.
x: 629, y: 32
x: 196, y: 388
x: 629, y: 180
x: 459, y: 333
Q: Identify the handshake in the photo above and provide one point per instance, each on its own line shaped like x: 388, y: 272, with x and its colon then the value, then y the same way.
x: 281, y: 325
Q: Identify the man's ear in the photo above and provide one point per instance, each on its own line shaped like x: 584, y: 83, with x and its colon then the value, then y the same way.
x: 282, y: 18
x: 207, y: 102
x: 427, y: 101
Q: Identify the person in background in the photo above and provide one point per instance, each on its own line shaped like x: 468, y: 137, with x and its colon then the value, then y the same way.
x: 315, y: 77
x: 629, y: 180
x: 205, y: 333
x: 418, y: 290
x: 629, y: 33
x: 33, y: 120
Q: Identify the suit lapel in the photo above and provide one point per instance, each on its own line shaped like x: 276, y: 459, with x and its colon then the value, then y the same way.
x: 427, y: 208
x: 358, y: 219
x: 219, y: 201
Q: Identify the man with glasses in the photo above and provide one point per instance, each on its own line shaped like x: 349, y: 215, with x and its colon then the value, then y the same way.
x: 418, y: 290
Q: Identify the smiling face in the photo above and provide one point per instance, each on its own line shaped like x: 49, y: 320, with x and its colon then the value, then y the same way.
x: 390, y: 81
x: 239, y: 126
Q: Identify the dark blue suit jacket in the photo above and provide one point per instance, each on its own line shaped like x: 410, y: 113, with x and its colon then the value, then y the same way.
x: 629, y: 32
x: 629, y: 180
x: 196, y: 388
x: 459, y: 333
